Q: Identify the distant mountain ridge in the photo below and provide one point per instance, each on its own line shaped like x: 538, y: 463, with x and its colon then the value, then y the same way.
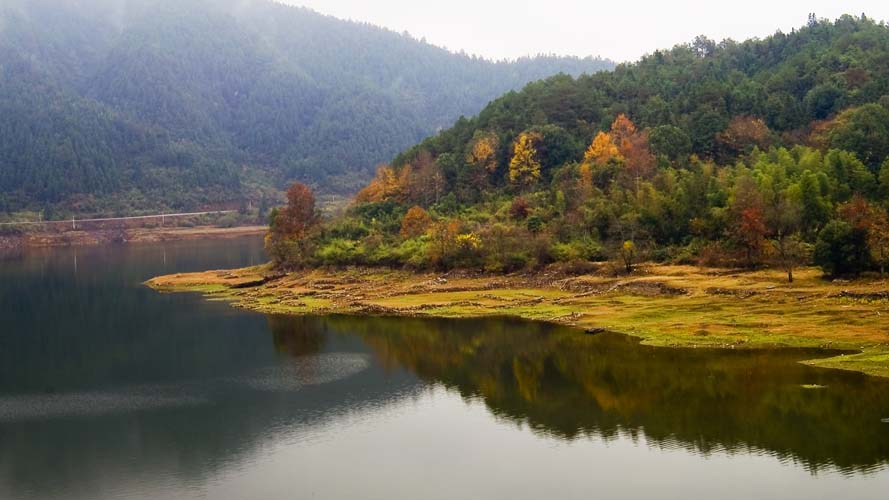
x: 121, y: 105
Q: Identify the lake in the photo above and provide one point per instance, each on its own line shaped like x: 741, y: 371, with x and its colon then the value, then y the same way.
x: 110, y: 390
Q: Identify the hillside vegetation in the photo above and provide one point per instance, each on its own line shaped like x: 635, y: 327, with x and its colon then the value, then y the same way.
x: 113, y: 106
x: 768, y: 151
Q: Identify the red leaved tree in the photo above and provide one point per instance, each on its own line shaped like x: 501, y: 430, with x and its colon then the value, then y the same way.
x: 287, y: 241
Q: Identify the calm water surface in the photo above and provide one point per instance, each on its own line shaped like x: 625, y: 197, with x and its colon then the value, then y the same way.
x: 109, y: 390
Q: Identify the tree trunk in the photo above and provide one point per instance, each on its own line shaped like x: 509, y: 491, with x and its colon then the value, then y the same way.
x: 790, y: 275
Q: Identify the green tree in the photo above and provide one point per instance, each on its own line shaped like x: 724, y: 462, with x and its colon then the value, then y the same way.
x: 841, y: 249
x: 865, y: 132
x: 670, y: 141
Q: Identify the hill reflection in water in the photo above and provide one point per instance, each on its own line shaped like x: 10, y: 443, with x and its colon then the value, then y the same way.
x: 565, y: 384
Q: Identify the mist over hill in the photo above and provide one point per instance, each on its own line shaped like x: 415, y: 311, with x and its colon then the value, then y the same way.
x: 122, y: 105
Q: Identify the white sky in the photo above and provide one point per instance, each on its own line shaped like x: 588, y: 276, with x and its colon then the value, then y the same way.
x: 621, y: 30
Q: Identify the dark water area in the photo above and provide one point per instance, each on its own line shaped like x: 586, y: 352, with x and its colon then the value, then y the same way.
x: 110, y: 390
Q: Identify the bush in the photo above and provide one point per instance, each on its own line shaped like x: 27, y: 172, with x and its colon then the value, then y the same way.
x: 340, y: 252
x: 585, y: 249
x: 413, y: 253
x: 228, y: 220
x: 509, y: 264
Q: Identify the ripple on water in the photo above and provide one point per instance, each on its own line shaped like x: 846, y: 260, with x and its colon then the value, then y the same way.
x: 306, y: 371
x: 90, y: 404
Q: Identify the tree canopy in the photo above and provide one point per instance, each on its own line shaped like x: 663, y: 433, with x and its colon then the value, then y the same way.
x: 116, y: 105
x: 764, y: 151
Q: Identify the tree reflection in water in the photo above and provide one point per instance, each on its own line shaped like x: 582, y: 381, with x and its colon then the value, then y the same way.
x: 562, y: 383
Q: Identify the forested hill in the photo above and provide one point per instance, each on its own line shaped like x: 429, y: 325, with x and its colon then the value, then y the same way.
x: 113, y: 105
x: 722, y: 153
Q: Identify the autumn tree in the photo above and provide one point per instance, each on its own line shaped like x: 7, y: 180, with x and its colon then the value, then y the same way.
x: 524, y: 168
x: 602, y: 150
x: 287, y: 240
x: 443, y: 243
x: 742, y: 135
x: 625, y: 144
x: 750, y: 219
x: 751, y: 232
x: 384, y: 186
x: 622, y: 129
x: 638, y: 160
x: 585, y: 181
x: 628, y: 255
x: 857, y: 212
x: 483, y: 156
x: 415, y: 223
x: 519, y: 209
x: 421, y: 181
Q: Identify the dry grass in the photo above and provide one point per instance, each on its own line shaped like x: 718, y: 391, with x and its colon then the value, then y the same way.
x: 664, y: 305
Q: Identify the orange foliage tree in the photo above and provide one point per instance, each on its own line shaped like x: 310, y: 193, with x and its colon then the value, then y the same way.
x: 752, y: 233
x: 633, y: 147
x: 287, y: 240
x: 742, y: 134
x: 622, y: 129
x: 415, y: 223
x: 384, y: 186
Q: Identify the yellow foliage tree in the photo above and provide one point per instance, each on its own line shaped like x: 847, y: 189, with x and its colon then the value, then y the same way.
x: 602, y: 150
x: 524, y: 168
x: 483, y: 154
x: 442, y: 241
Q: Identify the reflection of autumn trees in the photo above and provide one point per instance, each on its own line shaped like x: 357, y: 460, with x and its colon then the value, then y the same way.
x: 567, y: 384
x: 297, y: 336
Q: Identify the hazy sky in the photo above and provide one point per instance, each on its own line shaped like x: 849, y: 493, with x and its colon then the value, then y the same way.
x: 621, y: 30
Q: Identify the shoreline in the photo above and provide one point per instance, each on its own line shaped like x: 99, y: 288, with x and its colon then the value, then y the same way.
x: 670, y: 306
x: 96, y: 237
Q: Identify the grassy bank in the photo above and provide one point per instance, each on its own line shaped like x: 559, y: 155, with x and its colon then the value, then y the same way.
x: 93, y: 237
x: 664, y: 305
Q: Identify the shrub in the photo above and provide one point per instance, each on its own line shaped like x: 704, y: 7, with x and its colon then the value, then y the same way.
x: 340, y: 252
x: 413, y: 253
x: 227, y: 220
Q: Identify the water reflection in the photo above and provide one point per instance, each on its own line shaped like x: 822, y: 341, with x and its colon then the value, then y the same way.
x: 110, y: 390
x: 564, y: 384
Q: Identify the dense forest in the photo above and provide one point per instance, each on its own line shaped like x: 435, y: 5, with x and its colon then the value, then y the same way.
x: 112, y: 106
x: 766, y: 151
